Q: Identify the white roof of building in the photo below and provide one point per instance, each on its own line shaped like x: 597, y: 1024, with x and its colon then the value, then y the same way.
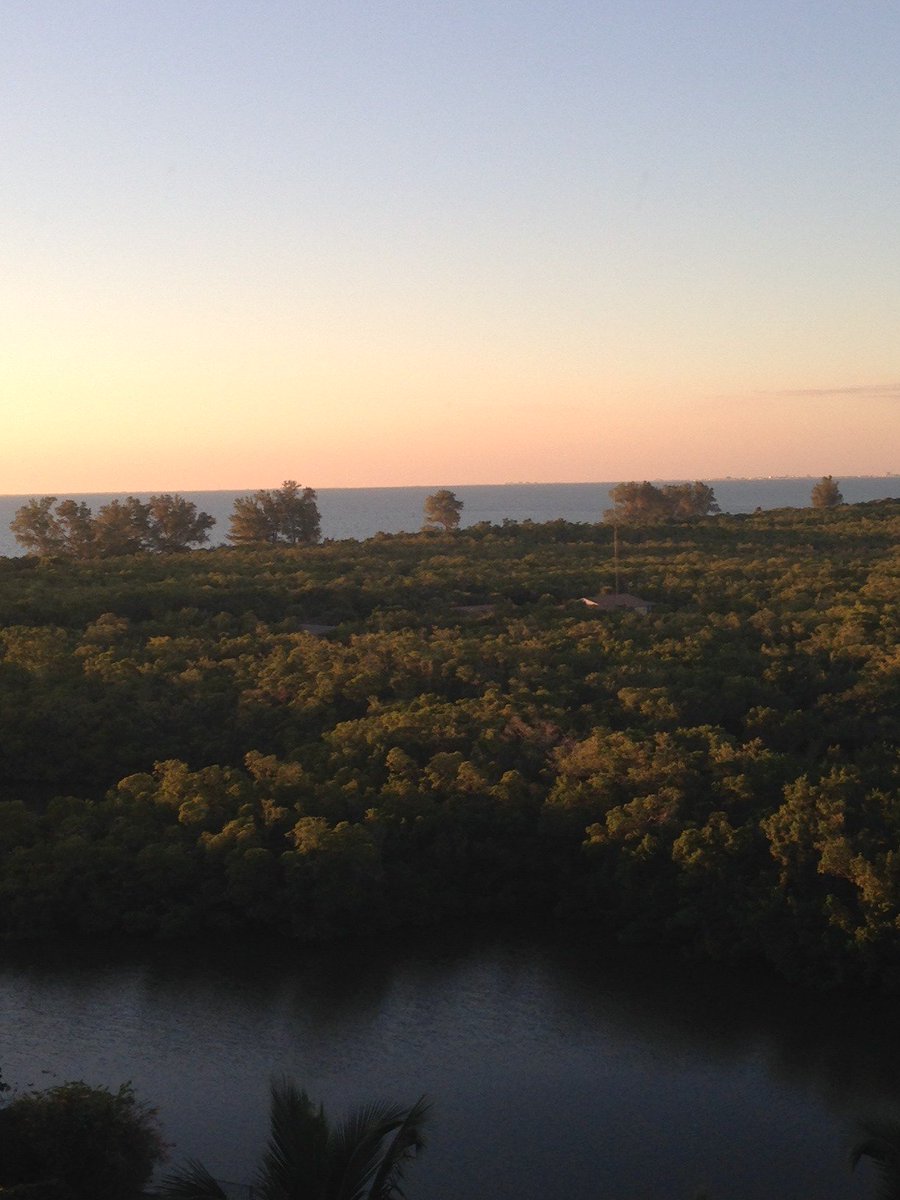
x: 612, y: 600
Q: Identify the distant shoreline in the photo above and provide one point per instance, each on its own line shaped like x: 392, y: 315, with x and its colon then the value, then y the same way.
x: 62, y: 493
x: 417, y: 487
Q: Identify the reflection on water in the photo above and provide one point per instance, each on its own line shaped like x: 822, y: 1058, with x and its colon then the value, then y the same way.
x: 557, y: 1067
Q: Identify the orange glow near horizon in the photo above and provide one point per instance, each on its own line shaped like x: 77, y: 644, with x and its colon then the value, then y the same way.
x: 76, y: 448
x: 595, y: 251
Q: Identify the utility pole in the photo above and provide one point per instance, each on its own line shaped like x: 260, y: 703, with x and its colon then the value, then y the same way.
x: 616, y: 552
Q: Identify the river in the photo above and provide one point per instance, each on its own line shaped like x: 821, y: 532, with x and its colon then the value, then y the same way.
x: 558, y: 1067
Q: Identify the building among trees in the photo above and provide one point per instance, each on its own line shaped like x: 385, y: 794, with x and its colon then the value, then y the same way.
x: 610, y: 601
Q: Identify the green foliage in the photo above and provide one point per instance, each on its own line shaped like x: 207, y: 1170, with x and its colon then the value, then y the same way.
x: 167, y: 524
x: 175, y: 525
x: 79, y: 1142
x: 180, y: 755
x: 76, y: 529
x: 644, y: 502
x: 287, y: 516
x: 121, y: 527
x: 826, y: 493
x: 443, y: 510
x: 362, y: 1158
x: 36, y: 528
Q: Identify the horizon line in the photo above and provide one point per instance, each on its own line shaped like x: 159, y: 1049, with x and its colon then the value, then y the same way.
x: 840, y: 475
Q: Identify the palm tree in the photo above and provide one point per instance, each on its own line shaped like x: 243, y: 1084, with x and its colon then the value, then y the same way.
x: 362, y: 1158
x: 881, y: 1143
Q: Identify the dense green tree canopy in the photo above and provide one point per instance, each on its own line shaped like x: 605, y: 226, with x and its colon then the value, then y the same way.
x: 166, y: 524
x: 121, y: 527
x: 645, y: 502
x: 175, y: 525
x: 37, y: 528
x: 180, y: 754
x: 76, y: 529
x: 287, y: 516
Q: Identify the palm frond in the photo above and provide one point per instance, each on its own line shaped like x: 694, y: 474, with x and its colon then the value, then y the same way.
x: 405, y: 1145
x: 881, y: 1143
x: 371, y: 1148
x: 295, y: 1163
x: 355, y: 1150
x: 190, y: 1182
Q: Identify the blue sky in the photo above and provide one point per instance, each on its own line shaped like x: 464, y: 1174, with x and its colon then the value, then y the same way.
x: 382, y: 243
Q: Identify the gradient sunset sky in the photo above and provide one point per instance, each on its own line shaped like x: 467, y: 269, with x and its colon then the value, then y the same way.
x: 410, y: 242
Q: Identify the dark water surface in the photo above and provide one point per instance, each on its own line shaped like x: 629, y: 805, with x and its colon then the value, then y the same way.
x: 557, y: 1067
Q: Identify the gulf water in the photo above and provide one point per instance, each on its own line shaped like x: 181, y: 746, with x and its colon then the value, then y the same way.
x: 362, y: 512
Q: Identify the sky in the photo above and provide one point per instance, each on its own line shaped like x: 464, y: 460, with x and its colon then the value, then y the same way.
x: 395, y: 242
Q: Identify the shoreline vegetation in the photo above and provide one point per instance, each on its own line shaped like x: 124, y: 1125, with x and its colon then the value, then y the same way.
x: 462, y: 737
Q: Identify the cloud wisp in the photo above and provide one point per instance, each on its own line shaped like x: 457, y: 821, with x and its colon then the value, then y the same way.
x: 879, y: 391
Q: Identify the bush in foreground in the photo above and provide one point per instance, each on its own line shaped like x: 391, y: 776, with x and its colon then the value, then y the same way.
x: 77, y: 1142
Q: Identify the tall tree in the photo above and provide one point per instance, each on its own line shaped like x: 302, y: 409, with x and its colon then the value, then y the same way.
x: 642, y: 503
x: 826, y: 493
x: 253, y: 521
x: 637, y: 502
x: 443, y: 508
x: 690, y: 499
x: 287, y: 516
x: 76, y: 525
x: 122, y: 527
x: 174, y: 524
x: 36, y: 527
x: 67, y: 529
x: 299, y: 522
x: 362, y: 1158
